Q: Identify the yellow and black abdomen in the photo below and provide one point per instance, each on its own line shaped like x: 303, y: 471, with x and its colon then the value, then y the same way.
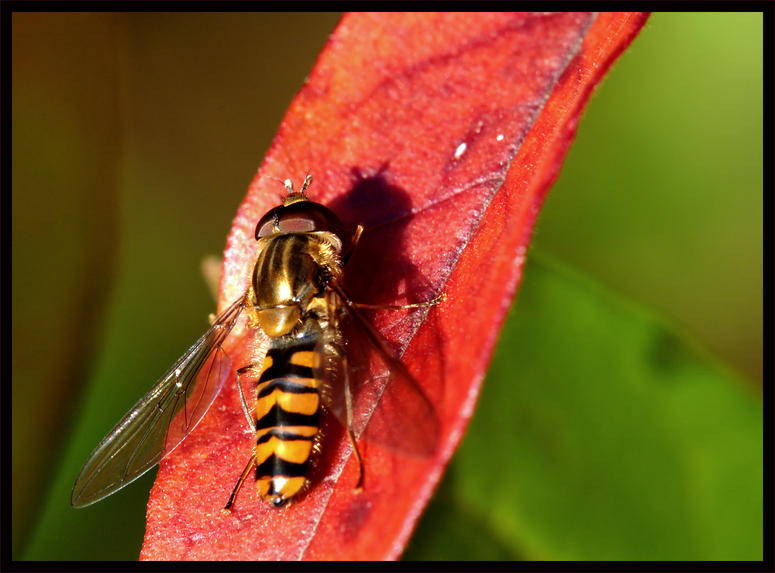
x: 287, y: 415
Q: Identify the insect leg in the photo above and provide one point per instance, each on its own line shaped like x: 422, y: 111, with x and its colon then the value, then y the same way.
x: 252, y: 423
x: 348, y: 399
x: 245, y: 407
x: 245, y: 472
x: 356, y: 238
x: 434, y: 301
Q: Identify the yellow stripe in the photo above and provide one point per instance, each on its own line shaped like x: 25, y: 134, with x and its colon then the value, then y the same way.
x: 295, y: 451
x: 306, y: 404
x: 308, y: 358
x: 266, y: 364
x: 295, y: 403
x: 263, y: 405
x: 286, y: 487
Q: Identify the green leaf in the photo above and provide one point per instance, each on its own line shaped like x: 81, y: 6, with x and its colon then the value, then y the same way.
x: 602, y: 432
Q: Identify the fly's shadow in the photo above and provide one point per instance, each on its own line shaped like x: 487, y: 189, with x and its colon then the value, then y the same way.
x: 379, y: 271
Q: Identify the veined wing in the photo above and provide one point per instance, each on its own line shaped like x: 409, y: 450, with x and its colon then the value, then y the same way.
x: 389, y: 407
x: 162, y: 419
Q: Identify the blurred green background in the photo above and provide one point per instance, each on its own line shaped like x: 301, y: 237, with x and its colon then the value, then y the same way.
x: 135, y: 137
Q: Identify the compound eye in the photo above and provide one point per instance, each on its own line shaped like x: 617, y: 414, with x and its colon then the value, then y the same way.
x: 267, y: 223
x: 300, y: 217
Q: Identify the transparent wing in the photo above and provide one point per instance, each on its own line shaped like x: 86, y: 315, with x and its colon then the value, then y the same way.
x: 162, y: 418
x: 389, y: 407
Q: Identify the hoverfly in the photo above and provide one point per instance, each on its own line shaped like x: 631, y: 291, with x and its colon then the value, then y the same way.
x: 321, y: 348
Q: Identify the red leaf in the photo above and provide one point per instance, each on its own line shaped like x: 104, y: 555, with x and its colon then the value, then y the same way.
x: 441, y: 133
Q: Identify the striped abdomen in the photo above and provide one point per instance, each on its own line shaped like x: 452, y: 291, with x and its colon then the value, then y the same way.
x: 287, y: 416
